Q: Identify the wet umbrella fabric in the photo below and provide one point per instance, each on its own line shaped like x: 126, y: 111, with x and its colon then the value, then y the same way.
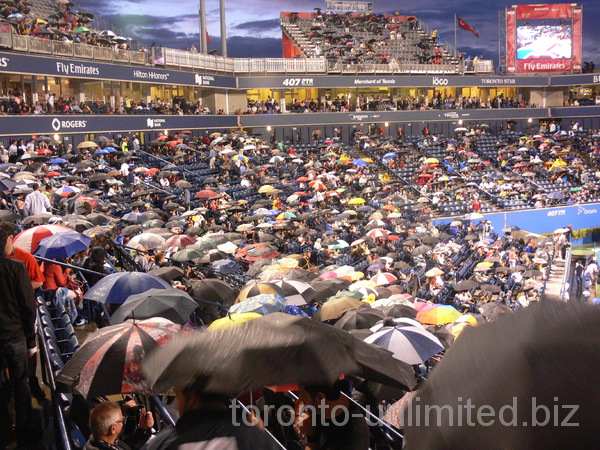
x: 108, y: 362
x: 410, y: 344
x: 172, y: 304
x: 116, y: 287
x: 62, y: 245
x: 214, y: 290
x: 274, y: 349
x: 527, y: 355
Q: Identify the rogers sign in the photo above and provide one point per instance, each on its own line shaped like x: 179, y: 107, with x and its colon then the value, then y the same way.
x: 58, y: 124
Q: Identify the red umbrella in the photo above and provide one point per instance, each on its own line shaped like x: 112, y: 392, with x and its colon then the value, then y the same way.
x: 206, y: 193
x: 44, y: 151
x: 92, y: 201
x: 53, y: 174
x: 180, y: 241
x: 162, y: 137
x: 303, y: 179
x: 30, y: 238
x: 151, y: 171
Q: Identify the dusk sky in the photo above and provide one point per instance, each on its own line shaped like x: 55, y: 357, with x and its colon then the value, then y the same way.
x: 253, y: 25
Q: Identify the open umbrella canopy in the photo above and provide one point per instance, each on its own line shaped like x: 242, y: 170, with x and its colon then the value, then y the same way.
x: 296, y: 292
x: 172, y: 304
x: 148, y: 240
x: 108, y: 362
x: 256, y: 288
x: 232, y: 320
x: 334, y: 308
x: 527, y: 355
x: 261, y: 304
x: 438, y: 315
x: 62, y: 245
x: 214, y: 290
x: 116, y: 287
x: 30, y: 238
x: 360, y: 318
x: 271, y: 350
x: 410, y: 344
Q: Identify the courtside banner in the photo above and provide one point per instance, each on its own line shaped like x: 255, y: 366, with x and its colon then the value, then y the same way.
x: 577, y: 35
x: 549, y: 11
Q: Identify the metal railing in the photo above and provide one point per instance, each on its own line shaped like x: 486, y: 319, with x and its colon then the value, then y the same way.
x: 565, y: 284
x: 38, y: 45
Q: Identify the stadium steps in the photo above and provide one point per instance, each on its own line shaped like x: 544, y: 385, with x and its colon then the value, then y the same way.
x: 554, y: 283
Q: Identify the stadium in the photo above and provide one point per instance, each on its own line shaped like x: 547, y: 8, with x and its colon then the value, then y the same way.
x: 373, y: 187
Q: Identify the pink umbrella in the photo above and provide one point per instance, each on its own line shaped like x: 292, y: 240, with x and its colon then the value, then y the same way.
x: 180, y: 241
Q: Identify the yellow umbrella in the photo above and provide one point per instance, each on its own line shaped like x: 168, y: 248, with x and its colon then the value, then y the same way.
x: 232, y: 320
x: 432, y: 161
x: 356, y: 201
x: 438, y: 315
x: 458, y: 328
x: 467, y: 318
x: 485, y: 264
x: 368, y: 160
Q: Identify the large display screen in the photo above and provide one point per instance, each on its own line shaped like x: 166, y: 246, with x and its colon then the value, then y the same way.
x: 544, y: 42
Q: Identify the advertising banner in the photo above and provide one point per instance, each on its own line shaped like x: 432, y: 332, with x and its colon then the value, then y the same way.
x: 511, y: 36
x: 544, y: 65
x: 549, y: 11
x: 577, y: 37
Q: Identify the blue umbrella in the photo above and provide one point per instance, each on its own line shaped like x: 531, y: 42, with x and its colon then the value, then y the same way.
x: 116, y: 287
x: 225, y: 266
x: 389, y: 155
x: 261, y: 304
x: 135, y: 217
x: 109, y: 149
x: 101, y: 151
x: 293, y: 310
x: 359, y: 162
x: 62, y: 245
x: 58, y: 161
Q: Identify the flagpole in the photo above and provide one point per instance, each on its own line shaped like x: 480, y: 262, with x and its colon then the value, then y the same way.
x: 455, y: 43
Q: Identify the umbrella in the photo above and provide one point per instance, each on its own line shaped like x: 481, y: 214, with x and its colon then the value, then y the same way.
x: 296, y: 292
x: 491, y: 311
x: 400, y: 310
x: 438, y: 315
x: 214, y: 290
x: 421, y: 250
x: 135, y: 218
x: 172, y: 304
x: 271, y: 350
x: 261, y: 304
x: 378, y: 232
x: 384, y: 278
x: 108, y: 362
x: 466, y: 285
x: 180, y: 241
x: 62, y: 245
x: 538, y: 347
x: 168, y: 273
x: 148, y: 240
x: 226, y: 266
x: 434, y: 272
x: 255, y: 288
x: 9, y: 216
x: 116, y: 287
x: 410, y: 344
x: 232, y: 320
x: 360, y: 318
x: 334, y: 308
x: 30, y: 238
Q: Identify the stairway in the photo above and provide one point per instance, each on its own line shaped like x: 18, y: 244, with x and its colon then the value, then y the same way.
x: 298, y: 37
x: 554, y: 283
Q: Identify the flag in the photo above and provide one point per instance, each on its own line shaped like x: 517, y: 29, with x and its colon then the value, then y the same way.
x: 465, y: 26
x: 208, y: 38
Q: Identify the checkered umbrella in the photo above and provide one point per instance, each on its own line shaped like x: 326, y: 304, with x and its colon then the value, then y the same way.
x: 297, y: 292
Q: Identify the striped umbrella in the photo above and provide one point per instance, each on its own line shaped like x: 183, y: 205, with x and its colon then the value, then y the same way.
x: 410, y: 344
x: 296, y: 292
x: 378, y: 232
x: 108, y: 362
x: 30, y: 238
x: 384, y: 278
x: 255, y: 288
x: 262, y: 304
x: 65, y: 191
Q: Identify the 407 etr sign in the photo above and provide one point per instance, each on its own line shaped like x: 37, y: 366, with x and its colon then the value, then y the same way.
x: 298, y: 82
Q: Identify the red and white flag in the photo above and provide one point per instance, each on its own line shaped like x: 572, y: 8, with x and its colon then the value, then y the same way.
x: 465, y: 26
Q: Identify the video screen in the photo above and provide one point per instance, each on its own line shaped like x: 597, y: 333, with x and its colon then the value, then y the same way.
x: 544, y: 42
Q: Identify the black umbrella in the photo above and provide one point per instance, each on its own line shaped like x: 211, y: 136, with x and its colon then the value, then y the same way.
x: 359, y: 318
x: 274, y: 349
x: 466, y: 285
x: 168, y: 273
x: 172, y: 304
x: 108, y: 362
x: 490, y: 288
x: 214, y: 290
x: 521, y: 368
x: 491, y: 311
x: 398, y: 311
x: 421, y: 250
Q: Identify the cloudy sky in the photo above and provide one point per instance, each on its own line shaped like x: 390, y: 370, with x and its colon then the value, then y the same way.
x: 253, y: 25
